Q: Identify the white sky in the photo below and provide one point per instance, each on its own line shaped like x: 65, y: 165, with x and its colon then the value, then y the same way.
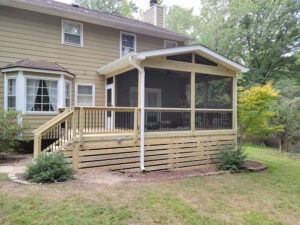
x: 144, y: 4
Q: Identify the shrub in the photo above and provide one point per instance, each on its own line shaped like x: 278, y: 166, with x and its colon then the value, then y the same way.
x: 10, y: 130
x: 49, y: 169
x: 232, y: 159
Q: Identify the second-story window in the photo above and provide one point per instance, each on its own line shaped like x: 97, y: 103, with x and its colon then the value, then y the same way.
x: 128, y: 43
x: 72, y: 33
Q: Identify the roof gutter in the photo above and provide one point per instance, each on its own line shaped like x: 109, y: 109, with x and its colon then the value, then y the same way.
x: 133, y: 62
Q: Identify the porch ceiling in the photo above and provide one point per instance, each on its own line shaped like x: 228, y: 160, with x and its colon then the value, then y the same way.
x: 124, y: 62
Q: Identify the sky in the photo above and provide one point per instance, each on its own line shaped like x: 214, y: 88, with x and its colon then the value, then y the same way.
x: 144, y: 4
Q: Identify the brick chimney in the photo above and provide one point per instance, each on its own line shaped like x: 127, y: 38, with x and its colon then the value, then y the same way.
x: 155, y: 15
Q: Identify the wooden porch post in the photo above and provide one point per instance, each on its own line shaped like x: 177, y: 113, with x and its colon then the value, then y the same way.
x: 37, y: 145
x: 81, y: 124
x: 193, y: 99
x: 136, y: 133
x: 234, y: 102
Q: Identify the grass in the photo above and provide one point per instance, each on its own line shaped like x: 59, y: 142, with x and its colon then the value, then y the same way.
x: 269, y: 197
x: 3, y: 177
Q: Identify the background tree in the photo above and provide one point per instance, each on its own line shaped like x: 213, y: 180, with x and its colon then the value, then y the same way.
x: 262, y: 34
x: 287, y: 114
x: 254, y: 113
x: 124, y: 8
x: 180, y: 20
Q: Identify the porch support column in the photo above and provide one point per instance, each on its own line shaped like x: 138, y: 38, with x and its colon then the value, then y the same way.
x: 61, y: 92
x: 142, y: 107
x: 141, y: 104
x: 234, y: 107
x: 193, y: 99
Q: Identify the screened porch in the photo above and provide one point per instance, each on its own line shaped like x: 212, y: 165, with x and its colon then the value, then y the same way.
x: 168, y: 99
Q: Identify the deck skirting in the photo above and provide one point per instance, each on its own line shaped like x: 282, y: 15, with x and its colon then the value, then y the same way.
x: 178, y: 152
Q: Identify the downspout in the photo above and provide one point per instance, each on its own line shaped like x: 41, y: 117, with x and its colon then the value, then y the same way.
x: 142, y: 126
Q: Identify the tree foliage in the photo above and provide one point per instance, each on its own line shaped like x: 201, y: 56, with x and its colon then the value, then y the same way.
x: 262, y: 34
x: 254, y: 113
x: 287, y: 114
x: 124, y: 8
x: 180, y: 20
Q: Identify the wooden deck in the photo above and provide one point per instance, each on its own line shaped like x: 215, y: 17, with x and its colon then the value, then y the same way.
x: 95, y: 145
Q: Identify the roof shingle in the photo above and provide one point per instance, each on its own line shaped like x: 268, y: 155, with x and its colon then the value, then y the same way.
x: 36, y: 64
x: 101, y: 16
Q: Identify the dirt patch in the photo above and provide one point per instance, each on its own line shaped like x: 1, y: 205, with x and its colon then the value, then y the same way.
x: 113, y: 178
x: 13, y: 159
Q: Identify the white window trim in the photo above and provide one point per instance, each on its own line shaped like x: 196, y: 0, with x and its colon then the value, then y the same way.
x: 126, y: 33
x: 6, y: 78
x: 169, y: 41
x: 70, y: 83
x: 85, y: 84
x: 40, y: 112
x: 63, y: 33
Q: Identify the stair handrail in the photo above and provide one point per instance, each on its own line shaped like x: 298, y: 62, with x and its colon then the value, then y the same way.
x: 60, y: 118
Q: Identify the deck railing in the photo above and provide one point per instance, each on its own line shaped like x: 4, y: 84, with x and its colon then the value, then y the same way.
x: 167, y: 119
x: 54, y: 134
x: 101, y: 120
x: 213, y: 119
x: 72, y: 125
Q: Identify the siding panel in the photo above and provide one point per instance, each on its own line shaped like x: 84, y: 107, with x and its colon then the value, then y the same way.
x: 25, y: 34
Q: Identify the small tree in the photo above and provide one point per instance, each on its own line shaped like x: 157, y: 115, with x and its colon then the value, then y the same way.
x: 10, y: 130
x: 254, y: 113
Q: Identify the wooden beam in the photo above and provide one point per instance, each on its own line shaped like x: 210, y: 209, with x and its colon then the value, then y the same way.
x: 37, y: 145
x: 234, y: 102
x: 81, y: 116
x: 193, y: 100
x: 188, y: 67
x: 136, y: 124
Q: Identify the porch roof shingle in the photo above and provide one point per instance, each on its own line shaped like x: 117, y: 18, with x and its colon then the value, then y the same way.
x: 36, y: 64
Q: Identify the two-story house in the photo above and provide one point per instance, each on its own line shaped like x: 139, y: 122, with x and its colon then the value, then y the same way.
x: 134, y: 94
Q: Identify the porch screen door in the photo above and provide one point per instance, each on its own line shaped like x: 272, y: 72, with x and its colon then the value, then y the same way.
x: 109, y: 115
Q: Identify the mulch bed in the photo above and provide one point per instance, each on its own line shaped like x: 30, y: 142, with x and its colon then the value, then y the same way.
x: 254, y: 166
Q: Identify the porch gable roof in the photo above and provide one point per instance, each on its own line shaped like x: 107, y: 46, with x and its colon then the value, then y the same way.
x: 199, y: 49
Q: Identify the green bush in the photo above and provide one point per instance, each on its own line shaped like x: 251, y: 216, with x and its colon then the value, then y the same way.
x: 232, y: 159
x: 10, y: 130
x: 49, y: 169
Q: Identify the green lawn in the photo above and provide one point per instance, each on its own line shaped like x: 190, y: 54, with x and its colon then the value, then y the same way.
x: 269, y: 197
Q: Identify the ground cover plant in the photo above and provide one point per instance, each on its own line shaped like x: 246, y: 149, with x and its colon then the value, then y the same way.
x: 268, y: 197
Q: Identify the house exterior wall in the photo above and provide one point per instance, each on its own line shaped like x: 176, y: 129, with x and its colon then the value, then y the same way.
x: 26, y: 34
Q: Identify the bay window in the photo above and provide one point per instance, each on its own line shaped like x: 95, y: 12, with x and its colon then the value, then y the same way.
x: 67, y: 94
x: 41, y: 95
x: 11, y: 94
